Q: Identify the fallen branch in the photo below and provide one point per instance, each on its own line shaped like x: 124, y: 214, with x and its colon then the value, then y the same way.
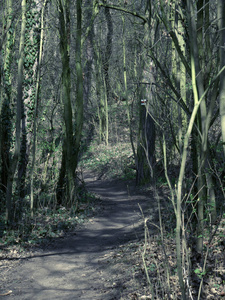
x: 6, y: 294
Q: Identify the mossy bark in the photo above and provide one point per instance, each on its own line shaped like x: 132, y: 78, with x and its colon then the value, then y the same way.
x: 14, y: 162
x: 72, y: 139
x: 36, y: 110
x: 221, y: 25
x: 64, y: 21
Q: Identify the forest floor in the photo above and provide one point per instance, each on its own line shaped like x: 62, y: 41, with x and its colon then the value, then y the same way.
x: 108, y: 257
x: 96, y: 261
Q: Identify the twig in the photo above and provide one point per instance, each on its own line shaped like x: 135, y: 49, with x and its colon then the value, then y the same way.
x: 6, y: 294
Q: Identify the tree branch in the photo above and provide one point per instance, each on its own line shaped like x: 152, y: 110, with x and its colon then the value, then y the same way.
x: 133, y: 13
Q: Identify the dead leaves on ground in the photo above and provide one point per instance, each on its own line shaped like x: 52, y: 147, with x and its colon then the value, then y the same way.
x: 160, y: 261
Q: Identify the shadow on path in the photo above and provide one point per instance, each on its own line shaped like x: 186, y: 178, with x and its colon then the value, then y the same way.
x: 76, y: 267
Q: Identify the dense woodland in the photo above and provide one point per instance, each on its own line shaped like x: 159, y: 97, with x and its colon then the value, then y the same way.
x: 72, y: 77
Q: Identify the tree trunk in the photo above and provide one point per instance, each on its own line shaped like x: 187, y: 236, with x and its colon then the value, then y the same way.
x: 5, y: 111
x: 79, y: 111
x: 146, y: 131
x: 36, y: 109
x: 64, y: 20
x: 126, y: 92
x: 106, y: 61
x: 72, y: 141
x: 146, y: 144
x: 13, y: 164
x: 221, y: 25
x: 204, y: 117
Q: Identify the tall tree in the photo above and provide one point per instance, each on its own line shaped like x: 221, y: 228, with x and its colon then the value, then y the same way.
x: 37, y: 90
x: 31, y: 50
x: 221, y: 25
x: 6, y: 91
x: 106, y: 65
x: 64, y: 29
x: 146, y: 133
x: 15, y: 158
x: 79, y: 111
x: 72, y: 139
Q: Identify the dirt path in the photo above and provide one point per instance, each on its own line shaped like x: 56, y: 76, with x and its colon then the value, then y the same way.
x: 77, y: 267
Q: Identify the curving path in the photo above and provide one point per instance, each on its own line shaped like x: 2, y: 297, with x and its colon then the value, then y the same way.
x: 76, y: 267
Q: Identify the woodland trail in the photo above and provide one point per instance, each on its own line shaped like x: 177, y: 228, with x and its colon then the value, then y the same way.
x: 77, y: 266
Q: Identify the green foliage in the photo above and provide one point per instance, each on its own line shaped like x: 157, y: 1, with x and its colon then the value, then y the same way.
x: 199, y: 273
x: 152, y: 267
x: 161, y: 181
x: 46, y: 224
x: 114, y: 161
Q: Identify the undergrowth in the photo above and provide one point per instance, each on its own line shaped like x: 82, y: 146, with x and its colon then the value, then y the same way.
x: 113, y: 161
x: 47, y: 224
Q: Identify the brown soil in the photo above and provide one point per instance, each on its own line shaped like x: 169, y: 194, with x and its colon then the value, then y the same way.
x: 97, y: 261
